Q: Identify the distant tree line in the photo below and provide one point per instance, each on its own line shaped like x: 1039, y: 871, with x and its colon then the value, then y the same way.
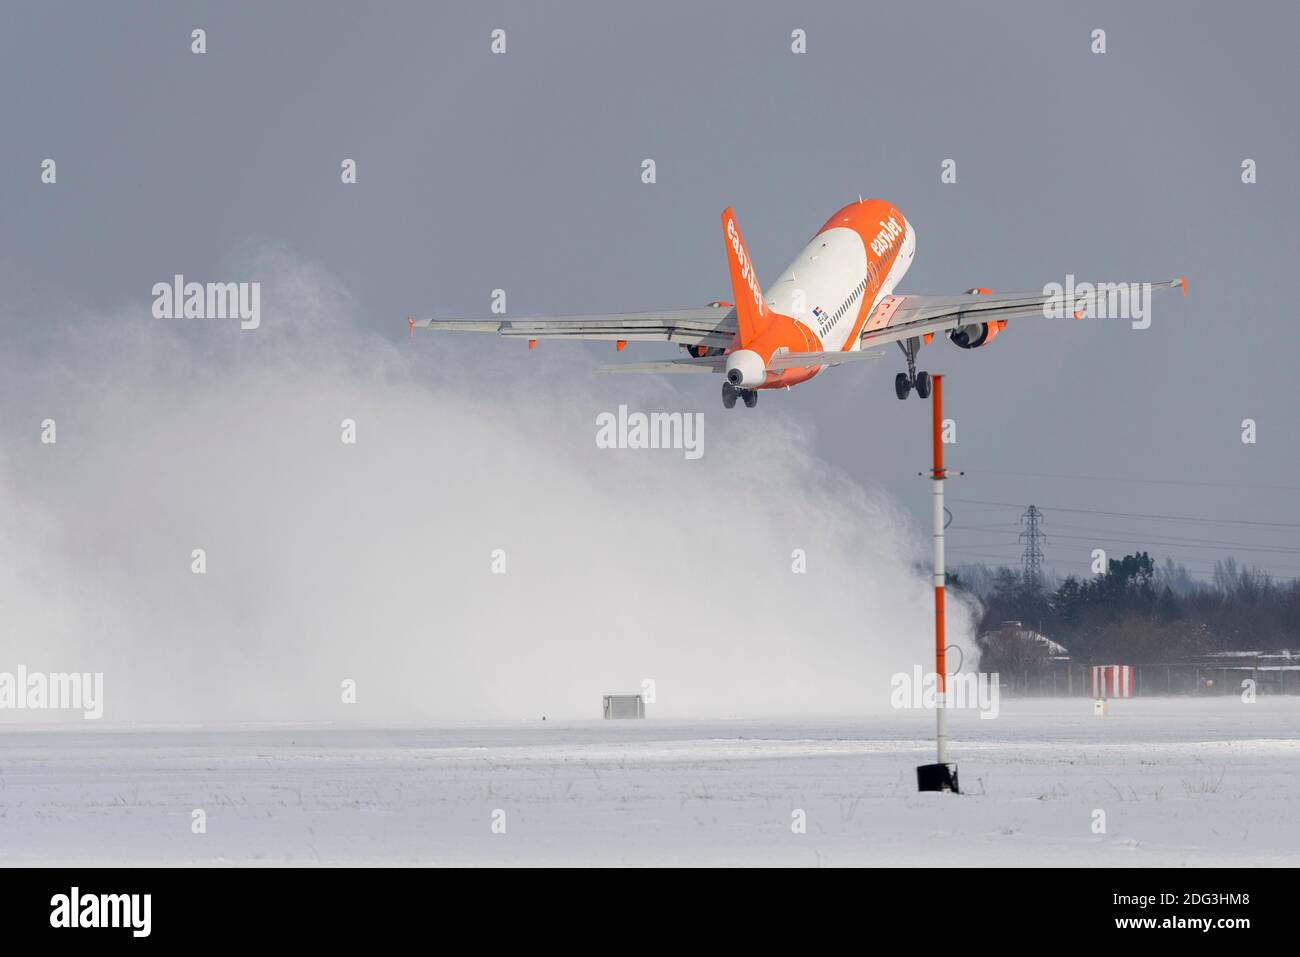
x: 1138, y: 612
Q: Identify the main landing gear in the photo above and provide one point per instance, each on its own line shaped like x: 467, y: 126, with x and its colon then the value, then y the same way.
x: 730, y: 394
x: 905, y: 382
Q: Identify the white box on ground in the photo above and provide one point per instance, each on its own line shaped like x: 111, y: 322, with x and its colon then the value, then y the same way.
x: 624, y: 706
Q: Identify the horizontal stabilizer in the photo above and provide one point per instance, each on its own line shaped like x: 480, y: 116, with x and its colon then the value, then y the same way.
x: 705, y: 364
x: 803, y: 360
x: 780, y: 361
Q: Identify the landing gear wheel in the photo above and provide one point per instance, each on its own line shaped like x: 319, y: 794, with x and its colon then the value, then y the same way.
x: 923, y: 385
x: 751, y: 398
x: 728, y: 396
x: 905, y: 381
x: 902, y: 385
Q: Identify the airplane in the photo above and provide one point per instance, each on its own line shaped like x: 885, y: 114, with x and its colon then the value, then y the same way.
x: 830, y: 306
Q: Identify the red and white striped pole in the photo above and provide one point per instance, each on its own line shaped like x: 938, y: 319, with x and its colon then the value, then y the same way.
x: 940, y: 776
x: 941, y: 670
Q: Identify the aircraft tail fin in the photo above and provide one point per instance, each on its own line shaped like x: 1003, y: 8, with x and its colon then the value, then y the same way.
x: 752, y: 314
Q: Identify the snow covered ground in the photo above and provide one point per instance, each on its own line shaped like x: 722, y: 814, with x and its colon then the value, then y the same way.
x: 1180, y: 781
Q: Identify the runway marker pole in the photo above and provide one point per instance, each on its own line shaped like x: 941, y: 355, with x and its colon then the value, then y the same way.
x: 940, y: 577
x: 940, y: 776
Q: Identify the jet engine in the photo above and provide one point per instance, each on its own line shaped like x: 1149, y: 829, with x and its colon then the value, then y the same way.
x: 979, y: 333
x: 976, y: 334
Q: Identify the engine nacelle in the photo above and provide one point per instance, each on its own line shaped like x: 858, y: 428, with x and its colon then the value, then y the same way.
x: 976, y: 334
x: 979, y: 333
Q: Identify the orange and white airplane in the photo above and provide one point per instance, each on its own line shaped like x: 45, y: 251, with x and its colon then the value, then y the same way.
x: 829, y: 306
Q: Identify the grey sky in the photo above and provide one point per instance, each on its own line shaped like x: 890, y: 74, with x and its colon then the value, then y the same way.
x: 523, y: 172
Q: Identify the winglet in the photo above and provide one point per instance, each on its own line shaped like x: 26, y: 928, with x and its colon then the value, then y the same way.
x: 751, y: 311
x: 1183, y: 280
x: 411, y: 323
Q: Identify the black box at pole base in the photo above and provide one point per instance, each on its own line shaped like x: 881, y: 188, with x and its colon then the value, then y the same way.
x: 937, y: 777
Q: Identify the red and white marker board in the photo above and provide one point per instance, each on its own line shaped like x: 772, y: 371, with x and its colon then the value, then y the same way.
x: 1112, y: 681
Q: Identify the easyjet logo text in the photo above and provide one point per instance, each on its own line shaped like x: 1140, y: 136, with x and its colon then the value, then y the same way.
x: 746, y: 267
x: 889, y: 232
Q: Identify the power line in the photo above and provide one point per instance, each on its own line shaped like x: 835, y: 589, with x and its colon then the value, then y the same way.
x: 1138, y: 515
x: 1169, y: 545
x: 1098, y: 535
x: 1135, y: 481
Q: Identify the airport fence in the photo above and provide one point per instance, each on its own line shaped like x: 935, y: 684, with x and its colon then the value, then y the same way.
x: 1069, y: 678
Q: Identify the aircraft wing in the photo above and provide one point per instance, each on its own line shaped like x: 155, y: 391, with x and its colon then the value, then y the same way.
x: 902, y: 317
x: 894, y: 319
x: 712, y: 326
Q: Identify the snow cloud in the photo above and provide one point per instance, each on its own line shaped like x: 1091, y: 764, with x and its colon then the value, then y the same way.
x: 473, y: 555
